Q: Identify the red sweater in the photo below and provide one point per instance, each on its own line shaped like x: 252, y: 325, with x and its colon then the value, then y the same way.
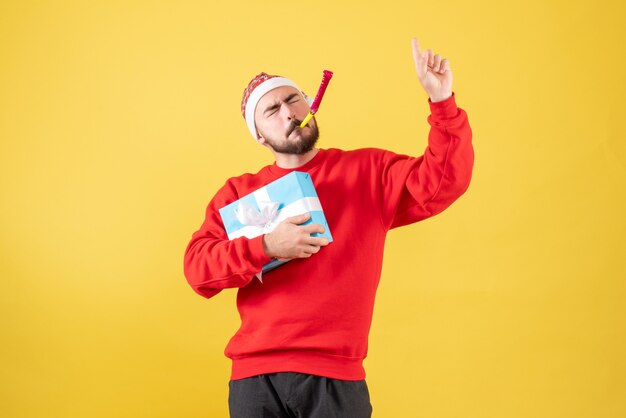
x: 313, y: 315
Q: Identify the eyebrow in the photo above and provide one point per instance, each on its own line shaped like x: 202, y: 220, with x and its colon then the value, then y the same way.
x: 277, y: 105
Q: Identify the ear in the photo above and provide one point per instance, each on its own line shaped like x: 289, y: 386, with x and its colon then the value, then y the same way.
x: 259, y: 137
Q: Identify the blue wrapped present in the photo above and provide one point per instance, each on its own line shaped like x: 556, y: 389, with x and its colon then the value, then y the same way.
x: 261, y: 211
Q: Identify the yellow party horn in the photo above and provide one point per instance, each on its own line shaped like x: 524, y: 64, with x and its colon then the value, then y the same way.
x: 318, y: 97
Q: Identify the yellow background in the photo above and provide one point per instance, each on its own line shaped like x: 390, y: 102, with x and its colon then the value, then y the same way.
x: 120, y: 120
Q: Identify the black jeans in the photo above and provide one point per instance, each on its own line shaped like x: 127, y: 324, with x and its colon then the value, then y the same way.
x: 291, y: 395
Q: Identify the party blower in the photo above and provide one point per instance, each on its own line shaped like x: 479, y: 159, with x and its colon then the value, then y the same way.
x: 318, y: 97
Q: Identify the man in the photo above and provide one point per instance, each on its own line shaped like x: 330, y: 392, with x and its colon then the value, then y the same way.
x: 304, y: 330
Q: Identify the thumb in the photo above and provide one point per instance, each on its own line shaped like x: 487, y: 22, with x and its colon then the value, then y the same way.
x: 298, y: 218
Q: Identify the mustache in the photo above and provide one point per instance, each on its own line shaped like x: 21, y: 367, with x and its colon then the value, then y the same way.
x: 294, y: 124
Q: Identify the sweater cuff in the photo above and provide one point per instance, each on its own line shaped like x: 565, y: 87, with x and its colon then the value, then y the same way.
x: 445, y: 109
x: 258, y: 257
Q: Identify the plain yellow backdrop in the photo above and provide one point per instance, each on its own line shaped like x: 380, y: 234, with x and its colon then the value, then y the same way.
x: 119, y: 120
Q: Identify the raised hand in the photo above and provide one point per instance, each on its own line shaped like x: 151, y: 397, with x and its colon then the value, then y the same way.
x: 433, y: 73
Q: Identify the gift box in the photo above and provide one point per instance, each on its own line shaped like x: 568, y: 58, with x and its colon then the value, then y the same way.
x: 261, y: 211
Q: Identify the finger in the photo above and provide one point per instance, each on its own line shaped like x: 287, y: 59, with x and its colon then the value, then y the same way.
x: 311, y: 249
x: 418, y: 59
x: 416, y: 45
x: 313, y: 228
x: 430, y: 59
x: 436, y: 62
x: 317, y: 241
x: 417, y: 54
x: 298, y: 219
x: 445, y: 65
x: 425, y: 59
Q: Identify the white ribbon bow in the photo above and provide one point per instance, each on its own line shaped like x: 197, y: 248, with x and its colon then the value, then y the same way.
x: 249, y: 215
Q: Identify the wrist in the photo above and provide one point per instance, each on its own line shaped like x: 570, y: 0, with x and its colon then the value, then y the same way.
x: 435, y: 99
x: 266, y: 246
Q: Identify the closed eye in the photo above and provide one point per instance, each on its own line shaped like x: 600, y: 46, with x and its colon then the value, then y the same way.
x: 292, y: 98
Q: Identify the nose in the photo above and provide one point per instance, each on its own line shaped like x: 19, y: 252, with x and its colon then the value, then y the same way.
x: 291, y: 114
x: 289, y: 111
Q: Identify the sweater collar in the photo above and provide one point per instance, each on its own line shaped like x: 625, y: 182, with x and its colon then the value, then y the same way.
x: 317, y: 159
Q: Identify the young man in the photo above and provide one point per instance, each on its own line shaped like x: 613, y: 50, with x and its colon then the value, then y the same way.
x: 304, y: 330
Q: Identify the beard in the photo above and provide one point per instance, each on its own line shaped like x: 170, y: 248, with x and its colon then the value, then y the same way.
x: 303, y: 144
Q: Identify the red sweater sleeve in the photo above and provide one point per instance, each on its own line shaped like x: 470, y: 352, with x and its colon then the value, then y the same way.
x: 212, y: 262
x: 415, y: 188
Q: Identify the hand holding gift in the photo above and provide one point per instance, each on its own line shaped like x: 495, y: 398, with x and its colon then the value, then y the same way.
x: 276, y: 211
x: 289, y: 240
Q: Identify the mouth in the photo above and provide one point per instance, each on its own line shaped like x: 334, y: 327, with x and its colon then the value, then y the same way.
x: 294, y: 125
